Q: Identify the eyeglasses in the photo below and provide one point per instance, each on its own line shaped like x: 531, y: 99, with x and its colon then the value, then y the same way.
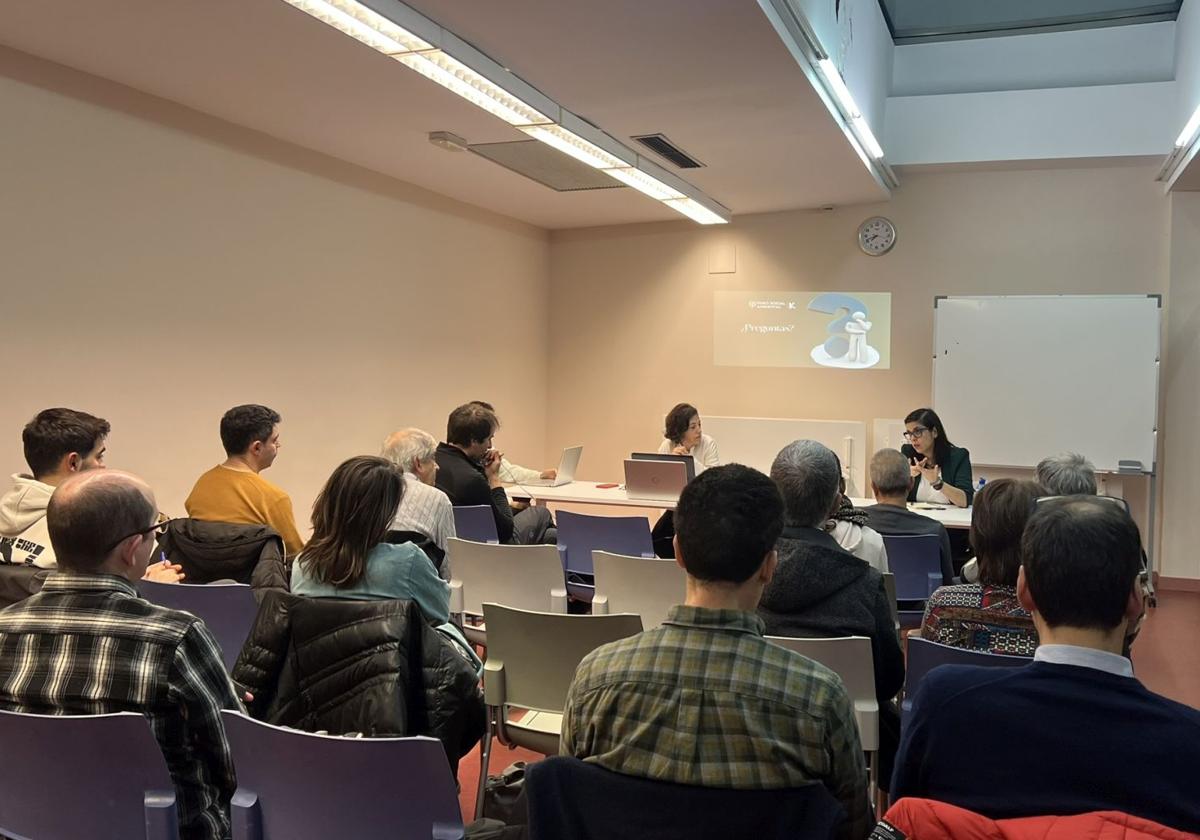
x: 158, y: 529
x: 917, y: 432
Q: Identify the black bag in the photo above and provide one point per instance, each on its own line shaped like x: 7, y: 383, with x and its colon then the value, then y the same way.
x: 504, y: 796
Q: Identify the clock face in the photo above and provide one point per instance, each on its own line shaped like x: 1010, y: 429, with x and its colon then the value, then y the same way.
x: 876, y: 236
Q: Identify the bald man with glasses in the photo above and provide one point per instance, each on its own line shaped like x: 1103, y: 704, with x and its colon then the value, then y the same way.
x: 87, y: 644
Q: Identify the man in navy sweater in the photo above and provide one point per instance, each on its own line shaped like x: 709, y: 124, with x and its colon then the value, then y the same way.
x: 1074, y: 731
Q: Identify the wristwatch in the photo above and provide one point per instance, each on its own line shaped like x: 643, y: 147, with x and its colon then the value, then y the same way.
x: 937, y: 485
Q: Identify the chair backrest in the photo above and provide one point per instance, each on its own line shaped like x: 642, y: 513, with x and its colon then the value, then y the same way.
x: 847, y: 656
x: 228, y: 609
x: 532, y: 656
x: 889, y: 587
x: 581, y: 534
x: 583, y: 801
x: 476, y: 523
x: 645, y: 586
x: 916, y: 561
x: 19, y: 582
x: 100, y: 776
x: 529, y: 577
x: 925, y: 655
x: 296, y: 784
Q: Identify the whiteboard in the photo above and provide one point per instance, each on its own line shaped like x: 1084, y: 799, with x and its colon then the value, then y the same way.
x: 755, y: 441
x: 1018, y: 378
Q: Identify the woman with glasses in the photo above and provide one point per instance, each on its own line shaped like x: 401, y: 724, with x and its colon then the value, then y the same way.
x: 987, y: 616
x: 941, y: 471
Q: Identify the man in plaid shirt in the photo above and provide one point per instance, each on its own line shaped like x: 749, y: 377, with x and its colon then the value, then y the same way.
x: 704, y: 699
x: 87, y: 644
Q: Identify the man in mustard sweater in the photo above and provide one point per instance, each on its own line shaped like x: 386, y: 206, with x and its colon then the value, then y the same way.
x: 234, y: 491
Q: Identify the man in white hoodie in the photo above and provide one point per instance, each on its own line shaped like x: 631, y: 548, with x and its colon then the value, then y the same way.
x: 58, y: 442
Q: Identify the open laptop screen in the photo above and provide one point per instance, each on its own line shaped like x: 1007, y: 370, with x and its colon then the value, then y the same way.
x: 687, y: 460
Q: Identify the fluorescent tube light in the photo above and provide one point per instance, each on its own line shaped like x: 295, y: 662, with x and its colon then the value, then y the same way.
x: 363, y: 24
x: 838, y: 85
x: 696, y: 211
x: 644, y: 183
x: 458, y: 78
x: 570, y: 143
x: 1189, y: 131
x: 868, y: 139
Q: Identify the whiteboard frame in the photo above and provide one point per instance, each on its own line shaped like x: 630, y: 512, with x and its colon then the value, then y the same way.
x: 1157, y: 298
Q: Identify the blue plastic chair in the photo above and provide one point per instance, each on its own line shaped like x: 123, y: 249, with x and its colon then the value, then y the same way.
x: 96, y: 776
x: 916, y: 563
x: 476, y: 523
x: 294, y: 785
x: 227, y: 609
x: 925, y: 655
x: 579, y: 534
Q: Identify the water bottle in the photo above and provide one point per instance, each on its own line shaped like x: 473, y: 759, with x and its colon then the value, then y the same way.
x: 979, y: 484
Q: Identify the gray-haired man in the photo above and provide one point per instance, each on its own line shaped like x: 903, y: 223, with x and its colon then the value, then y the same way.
x: 424, y: 509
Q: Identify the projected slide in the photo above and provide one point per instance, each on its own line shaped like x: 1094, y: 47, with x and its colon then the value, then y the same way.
x: 848, y: 330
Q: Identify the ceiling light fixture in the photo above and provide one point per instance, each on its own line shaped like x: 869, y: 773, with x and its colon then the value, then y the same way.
x: 798, y: 35
x: 398, y: 31
x: 1188, y: 134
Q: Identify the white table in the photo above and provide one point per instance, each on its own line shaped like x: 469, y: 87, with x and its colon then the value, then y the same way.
x: 588, y: 493
x: 583, y: 493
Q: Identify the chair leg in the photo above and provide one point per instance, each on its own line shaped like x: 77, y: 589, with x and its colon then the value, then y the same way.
x: 485, y: 755
x: 873, y: 785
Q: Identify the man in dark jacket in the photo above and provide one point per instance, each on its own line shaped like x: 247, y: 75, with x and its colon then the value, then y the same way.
x: 821, y: 590
x: 469, y: 473
x: 890, y: 516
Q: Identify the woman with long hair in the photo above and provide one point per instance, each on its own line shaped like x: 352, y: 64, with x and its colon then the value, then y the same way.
x: 941, y: 471
x: 348, y: 556
x: 987, y: 615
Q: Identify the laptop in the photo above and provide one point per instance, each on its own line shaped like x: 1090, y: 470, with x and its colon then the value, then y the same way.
x: 657, y: 480
x: 567, y: 465
x: 688, y: 460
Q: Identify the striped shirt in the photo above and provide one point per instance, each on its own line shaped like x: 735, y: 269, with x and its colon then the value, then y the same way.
x: 705, y: 700
x: 88, y: 645
x: 426, y: 510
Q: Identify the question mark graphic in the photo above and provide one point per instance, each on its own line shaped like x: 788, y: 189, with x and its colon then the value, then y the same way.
x: 837, y: 345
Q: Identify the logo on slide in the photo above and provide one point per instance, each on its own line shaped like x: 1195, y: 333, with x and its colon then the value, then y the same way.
x: 847, y: 345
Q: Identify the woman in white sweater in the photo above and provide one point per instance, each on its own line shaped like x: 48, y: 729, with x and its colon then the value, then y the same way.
x: 682, y: 435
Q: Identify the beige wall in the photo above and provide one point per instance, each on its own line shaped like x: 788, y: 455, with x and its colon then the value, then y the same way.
x: 160, y: 266
x: 631, y: 308
x: 1181, y: 390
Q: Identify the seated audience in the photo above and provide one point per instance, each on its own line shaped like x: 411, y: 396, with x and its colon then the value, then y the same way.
x: 87, y: 644
x: 822, y: 590
x: 704, y: 699
x: 424, y: 510
x: 234, y: 490
x: 511, y: 473
x: 1075, y: 731
x: 469, y: 473
x: 347, y: 556
x: 891, y: 481
x: 58, y: 442
x: 1066, y: 474
x: 849, y: 526
x: 987, y: 616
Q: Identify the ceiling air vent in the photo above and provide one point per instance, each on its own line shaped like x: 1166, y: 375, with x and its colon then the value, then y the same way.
x: 661, y: 146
